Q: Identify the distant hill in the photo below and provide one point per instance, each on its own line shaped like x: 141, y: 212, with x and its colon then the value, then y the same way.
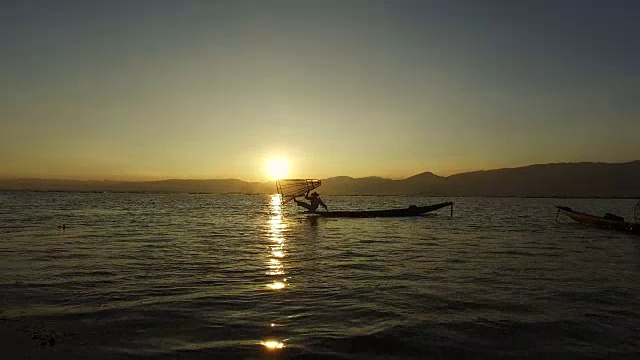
x: 567, y: 180
x: 546, y: 180
x: 170, y: 186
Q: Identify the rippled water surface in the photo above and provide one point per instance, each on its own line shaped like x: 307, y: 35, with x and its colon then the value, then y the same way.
x: 238, y: 276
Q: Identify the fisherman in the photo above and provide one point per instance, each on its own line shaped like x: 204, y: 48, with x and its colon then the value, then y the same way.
x: 315, y: 202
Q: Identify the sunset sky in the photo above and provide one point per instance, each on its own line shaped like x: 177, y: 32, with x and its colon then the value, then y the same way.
x: 213, y: 89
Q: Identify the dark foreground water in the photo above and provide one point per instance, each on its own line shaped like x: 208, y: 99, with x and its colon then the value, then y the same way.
x: 210, y: 276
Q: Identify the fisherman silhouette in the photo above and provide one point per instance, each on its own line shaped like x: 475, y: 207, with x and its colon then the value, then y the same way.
x: 315, y: 202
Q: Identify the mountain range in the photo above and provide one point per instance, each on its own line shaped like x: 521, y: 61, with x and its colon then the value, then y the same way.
x: 541, y: 180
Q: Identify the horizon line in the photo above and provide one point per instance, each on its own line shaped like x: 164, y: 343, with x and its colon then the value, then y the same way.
x: 326, y: 178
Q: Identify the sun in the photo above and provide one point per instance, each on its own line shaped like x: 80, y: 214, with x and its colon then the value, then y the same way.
x: 277, y: 168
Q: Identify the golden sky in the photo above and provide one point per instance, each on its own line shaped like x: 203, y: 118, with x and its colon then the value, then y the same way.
x: 148, y: 90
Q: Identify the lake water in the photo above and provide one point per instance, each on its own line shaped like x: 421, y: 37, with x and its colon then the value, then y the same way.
x: 239, y: 276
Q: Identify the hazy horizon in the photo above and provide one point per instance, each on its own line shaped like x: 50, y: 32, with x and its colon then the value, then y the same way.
x: 322, y: 177
x: 151, y: 90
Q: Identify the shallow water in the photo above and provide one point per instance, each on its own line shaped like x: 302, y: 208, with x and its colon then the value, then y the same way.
x: 238, y: 276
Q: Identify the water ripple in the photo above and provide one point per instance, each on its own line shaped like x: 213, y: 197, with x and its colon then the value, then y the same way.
x: 165, y: 275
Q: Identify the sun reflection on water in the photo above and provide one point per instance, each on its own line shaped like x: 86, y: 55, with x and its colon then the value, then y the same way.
x: 275, y: 267
x: 273, y: 345
x: 276, y: 285
x: 276, y: 229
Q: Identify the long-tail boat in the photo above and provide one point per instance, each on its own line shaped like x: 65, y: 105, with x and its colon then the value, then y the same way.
x: 608, y: 221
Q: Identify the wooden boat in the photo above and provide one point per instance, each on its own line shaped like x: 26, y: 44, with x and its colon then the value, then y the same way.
x: 609, y: 221
x: 410, y: 211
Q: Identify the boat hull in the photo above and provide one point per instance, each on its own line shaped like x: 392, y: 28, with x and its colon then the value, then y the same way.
x: 597, y: 221
x: 406, y: 212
